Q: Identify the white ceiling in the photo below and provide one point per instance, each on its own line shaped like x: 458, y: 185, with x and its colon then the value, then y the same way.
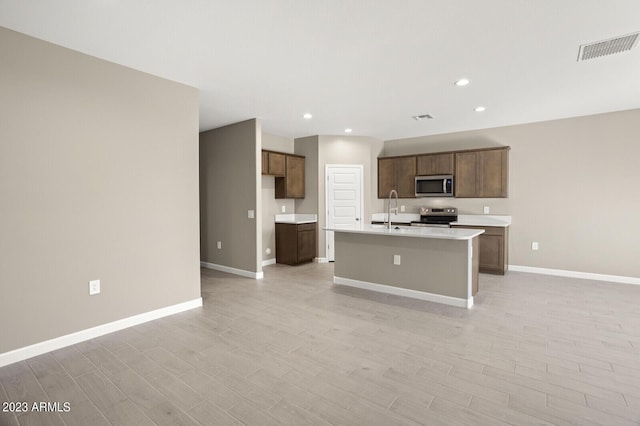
x: 365, y: 64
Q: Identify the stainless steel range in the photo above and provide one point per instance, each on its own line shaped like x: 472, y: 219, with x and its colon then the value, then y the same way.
x: 438, y: 217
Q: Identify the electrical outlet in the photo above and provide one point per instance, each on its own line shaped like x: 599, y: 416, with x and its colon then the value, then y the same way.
x: 485, y: 209
x: 284, y: 209
x: 534, y: 245
x: 251, y: 214
x: 402, y: 209
x: 396, y: 259
x: 219, y: 244
x: 94, y: 287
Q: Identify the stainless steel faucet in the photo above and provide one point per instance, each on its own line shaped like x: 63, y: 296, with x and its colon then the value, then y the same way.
x: 395, y: 209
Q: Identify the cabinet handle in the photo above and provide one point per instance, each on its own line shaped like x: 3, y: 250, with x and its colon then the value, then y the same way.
x: 357, y: 218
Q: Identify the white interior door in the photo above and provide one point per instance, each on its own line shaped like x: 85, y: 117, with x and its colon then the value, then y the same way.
x: 343, y: 199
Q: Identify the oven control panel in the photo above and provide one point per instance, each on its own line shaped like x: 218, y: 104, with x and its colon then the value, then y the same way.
x: 438, y: 211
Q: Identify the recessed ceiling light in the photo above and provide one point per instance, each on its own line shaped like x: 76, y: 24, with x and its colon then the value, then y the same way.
x: 462, y: 82
x: 307, y: 116
x: 348, y: 130
x: 479, y: 109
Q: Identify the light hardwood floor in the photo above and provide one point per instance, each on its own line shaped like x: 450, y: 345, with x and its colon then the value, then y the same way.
x: 294, y: 349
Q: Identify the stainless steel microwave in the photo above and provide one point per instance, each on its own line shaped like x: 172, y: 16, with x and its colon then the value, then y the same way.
x: 434, y: 186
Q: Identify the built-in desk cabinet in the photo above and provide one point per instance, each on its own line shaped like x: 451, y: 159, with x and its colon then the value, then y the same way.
x: 494, y: 248
x: 295, y: 243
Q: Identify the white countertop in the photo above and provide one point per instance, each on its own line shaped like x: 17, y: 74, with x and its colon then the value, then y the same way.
x: 296, y: 219
x: 463, y: 219
x: 410, y: 231
x: 483, y: 220
x: 395, y: 217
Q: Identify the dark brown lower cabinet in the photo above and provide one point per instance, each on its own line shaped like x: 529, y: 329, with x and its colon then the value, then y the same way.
x: 494, y: 248
x: 295, y: 243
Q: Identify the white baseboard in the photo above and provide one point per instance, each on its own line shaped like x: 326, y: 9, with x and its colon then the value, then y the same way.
x: 91, y: 333
x: 576, y: 274
x: 422, y: 295
x: 269, y: 262
x: 321, y: 260
x: 230, y: 270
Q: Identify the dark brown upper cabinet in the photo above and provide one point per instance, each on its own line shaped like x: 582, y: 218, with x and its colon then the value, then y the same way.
x: 478, y: 173
x: 265, y: 163
x: 397, y: 173
x: 434, y: 164
x: 273, y: 163
x: 292, y: 184
x: 482, y: 173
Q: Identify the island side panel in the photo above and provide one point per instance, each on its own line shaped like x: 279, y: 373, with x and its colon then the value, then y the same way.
x: 475, y: 265
x: 438, y: 266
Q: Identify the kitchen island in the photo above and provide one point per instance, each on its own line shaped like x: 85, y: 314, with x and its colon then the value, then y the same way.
x: 434, y: 264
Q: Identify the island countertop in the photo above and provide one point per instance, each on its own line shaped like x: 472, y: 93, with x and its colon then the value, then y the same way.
x: 409, y: 231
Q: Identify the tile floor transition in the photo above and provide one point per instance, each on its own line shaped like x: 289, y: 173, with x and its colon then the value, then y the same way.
x: 293, y: 349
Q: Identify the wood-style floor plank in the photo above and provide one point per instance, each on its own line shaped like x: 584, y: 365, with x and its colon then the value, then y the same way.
x: 294, y: 349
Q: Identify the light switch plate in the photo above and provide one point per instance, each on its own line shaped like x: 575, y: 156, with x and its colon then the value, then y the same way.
x: 485, y: 209
x: 534, y: 245
x: 284, y: 209
x: 396, y: 259
x: 219, y: 244
x: 251, y: 214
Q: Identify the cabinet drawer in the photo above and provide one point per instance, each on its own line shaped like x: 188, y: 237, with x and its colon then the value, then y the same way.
x: 488, y: 230
x: 306, y: 227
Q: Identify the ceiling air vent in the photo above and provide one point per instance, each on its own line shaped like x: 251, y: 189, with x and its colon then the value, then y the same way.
x: 423, y: 117
x: 608, y: 47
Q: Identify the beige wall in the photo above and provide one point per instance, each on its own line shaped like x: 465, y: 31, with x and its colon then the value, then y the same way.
x: 98, y: 180
x: 323, y: 150
x: 308, y: 147
x: 230, y: 186
x: 573, y: 187
x: 271, y: 206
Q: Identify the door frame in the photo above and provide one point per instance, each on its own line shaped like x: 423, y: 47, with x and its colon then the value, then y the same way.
x: 326, y: 198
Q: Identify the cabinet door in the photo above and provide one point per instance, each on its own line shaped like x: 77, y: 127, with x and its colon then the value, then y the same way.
x: 265, y: 163
x: 277, y: 163
x: 434, y: 164
x: 443, y: 164
x: 306, y: 243
x: 405, y: 171
x: 492, y: 173
x: 295, y: 177
x: 466, y: 174
x: 286, y: 243
x: 425, y: 165
x: 386, y: 176
x: 491, y: 253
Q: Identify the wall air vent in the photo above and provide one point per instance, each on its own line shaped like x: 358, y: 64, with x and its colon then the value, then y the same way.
x: 608, y: 47
x: 423, y: 117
